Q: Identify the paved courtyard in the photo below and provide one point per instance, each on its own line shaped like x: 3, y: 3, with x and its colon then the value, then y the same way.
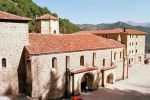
x: 136, y: 87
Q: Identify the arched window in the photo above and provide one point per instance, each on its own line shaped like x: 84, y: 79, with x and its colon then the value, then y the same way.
x: 82, y: 61
x: 54, y: 62
x: 54, y: 31
x: 67, y: 61
x: 120, y: 55
x: 4, y: 62
x: 115, y: 56
x: 103, y: 62
x: 94, y: 58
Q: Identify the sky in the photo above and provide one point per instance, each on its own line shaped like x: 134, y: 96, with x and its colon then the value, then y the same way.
x: 99, y: 11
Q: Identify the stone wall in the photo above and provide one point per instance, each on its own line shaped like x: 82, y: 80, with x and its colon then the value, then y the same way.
x: 13, y: 39
x: 47, y: 26
x: 46, y: 79
x: 135, y: 45
x: 136, y: 49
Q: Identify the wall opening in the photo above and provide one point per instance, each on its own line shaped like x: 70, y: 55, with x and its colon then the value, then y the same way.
x: 4, y: 62
x: 87, y: 82
x: 82, y: 61
x: 54, y: 62
x: 109, y: 79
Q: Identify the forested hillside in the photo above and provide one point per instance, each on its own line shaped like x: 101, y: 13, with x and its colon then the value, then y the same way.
x: 29, y: 9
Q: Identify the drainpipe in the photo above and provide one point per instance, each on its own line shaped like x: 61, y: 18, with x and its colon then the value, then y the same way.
x: 111, y: 58
x: 123, y: 76
x: 66, y: 79
x: 72, y: 74
x: 127, y: 66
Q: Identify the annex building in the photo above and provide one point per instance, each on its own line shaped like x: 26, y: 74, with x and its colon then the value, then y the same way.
x: 47, y: 64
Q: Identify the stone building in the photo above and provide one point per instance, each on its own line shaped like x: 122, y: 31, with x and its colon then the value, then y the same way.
x: 47, y: 24
x: 66, y: 59
x: 13, y: 38
x: 133, y: 39
x: 50, y: 65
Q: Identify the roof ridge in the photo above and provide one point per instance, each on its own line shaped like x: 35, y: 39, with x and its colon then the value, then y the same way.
x: 9, y: 16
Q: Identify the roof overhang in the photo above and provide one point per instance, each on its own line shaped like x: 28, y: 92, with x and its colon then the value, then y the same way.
x: 83, y: 69
x: 106, y: 68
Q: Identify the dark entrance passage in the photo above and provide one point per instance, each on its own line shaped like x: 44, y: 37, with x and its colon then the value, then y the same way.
x: 83, y: 84
x: 87, y: 82
x: 110, y: 79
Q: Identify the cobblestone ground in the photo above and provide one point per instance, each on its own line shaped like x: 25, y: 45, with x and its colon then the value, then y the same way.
x: 136, y: 87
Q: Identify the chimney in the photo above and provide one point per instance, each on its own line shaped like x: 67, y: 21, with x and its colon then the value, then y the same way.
x: 124, y: 29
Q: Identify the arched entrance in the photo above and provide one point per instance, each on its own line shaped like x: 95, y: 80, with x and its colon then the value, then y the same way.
x: 87, y: 82
x: 109, y: 79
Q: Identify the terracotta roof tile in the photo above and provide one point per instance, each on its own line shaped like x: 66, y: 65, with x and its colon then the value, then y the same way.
x: 114, y: 31
x: 8, y: 16
x: 47, y: 17
x: 42, y: 43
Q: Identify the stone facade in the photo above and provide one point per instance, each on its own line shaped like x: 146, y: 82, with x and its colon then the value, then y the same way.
x: 135, y: 46
x: 51, y: 81
x: 53, y: 74
x: 13, y: 39
x: 47, y: 26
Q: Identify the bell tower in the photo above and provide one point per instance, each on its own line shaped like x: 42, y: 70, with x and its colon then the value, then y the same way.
x: 47, y: 24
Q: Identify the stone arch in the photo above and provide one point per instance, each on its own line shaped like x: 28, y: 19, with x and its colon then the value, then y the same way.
x: 86, y: 81
x: 110, y: 78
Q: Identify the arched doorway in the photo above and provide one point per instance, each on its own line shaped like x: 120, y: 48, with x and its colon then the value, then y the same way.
x: 109, y: 79
x: 87, y: 82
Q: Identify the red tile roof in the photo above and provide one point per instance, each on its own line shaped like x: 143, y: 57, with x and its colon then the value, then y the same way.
x: 114, y: 31
x: 8, y: 16
x: 47, y: 17
x: 45, y: 43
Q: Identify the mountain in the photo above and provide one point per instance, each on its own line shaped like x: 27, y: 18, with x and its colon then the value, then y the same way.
x: 30, y: 9
x: 138, y: 24
x: 118, y: 25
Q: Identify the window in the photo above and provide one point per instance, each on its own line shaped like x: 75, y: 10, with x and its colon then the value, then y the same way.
x: 4, y: 62
x: 132, y: 51
x: 120, y: 55
x: 54, y: 31
x: 136, y: 50
x: 130, y: 36
x: 94, y: 58
x: 28, y: 64
x: 132, y: 59
x: 67, y: 61
x: 103, y: 62
x: 132, y: 43
x: 129, y: 61
x: 106, y: 36
x: 139, y: 59
x: 136, y: 36
x: 136, y: 43
x: 129, y: 51
x: 115, y: 56
x: 82, y: 61
x: 54, y: 62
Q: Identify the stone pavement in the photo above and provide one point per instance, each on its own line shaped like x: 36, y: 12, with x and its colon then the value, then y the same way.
x: 136, y: 87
